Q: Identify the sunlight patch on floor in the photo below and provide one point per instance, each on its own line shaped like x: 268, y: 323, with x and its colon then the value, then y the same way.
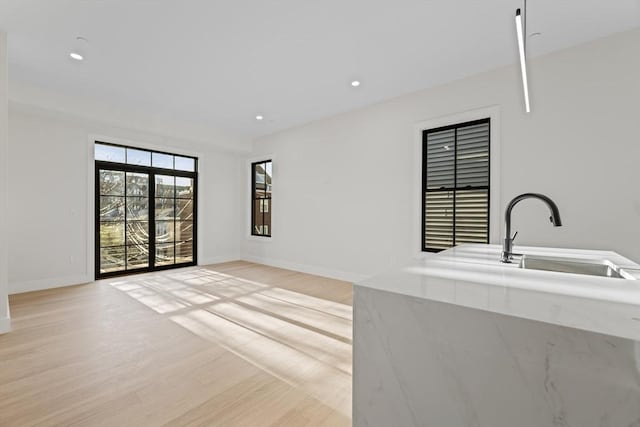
x: 303, y: 340
x: 312, y: 361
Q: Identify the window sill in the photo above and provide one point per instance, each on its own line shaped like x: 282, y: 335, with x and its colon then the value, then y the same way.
x: 263, y: 239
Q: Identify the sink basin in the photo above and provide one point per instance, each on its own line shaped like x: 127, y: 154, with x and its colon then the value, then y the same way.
x: 600, y: 268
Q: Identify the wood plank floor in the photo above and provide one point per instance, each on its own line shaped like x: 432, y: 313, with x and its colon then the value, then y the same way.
x: 234, y: 344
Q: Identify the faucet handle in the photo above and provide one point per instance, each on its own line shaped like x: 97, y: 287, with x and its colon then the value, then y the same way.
x: 514, y: 236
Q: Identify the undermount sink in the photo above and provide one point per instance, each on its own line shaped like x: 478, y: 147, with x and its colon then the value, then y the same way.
x: 600, y: 268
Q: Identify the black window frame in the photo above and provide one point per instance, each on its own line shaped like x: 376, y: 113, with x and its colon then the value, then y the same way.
x: 254, y: 198
x: 152, y: 172
x: 455, y: 188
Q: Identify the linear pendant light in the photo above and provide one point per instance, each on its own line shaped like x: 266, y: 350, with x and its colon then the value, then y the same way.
x: 520, y: 29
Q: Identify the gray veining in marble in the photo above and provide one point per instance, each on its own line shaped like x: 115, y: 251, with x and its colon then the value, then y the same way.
x: 424, y: 363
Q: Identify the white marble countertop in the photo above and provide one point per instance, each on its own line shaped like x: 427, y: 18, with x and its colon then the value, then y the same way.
x: 472, y: 276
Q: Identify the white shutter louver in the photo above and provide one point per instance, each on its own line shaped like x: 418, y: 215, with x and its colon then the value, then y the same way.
x: 456, y: 185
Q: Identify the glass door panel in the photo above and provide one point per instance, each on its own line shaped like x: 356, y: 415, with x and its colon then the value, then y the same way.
x: 165, y: 254
x: 124, y: 220
x: 112, y: 216
x: 165, y: 220
x: 184, y: 252
x: 137, y: 230
x: 112, y: 259
x: 185, y: 208
x: 174, y: 214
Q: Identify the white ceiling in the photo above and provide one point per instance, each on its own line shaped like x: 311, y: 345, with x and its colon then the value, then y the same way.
x: 221, y: 62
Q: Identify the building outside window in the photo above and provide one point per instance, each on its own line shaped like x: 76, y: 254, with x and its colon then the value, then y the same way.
x: 261, y: 190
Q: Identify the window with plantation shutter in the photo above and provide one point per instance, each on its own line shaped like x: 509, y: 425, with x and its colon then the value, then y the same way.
x: 455, y: 184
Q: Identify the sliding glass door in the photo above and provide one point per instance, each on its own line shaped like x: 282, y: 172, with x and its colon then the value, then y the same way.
x: 174, y: 215
x: 145, y: 213
x: 123, y: 220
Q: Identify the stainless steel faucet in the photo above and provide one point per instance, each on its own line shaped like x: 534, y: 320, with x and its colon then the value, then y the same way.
x: 507, y: 247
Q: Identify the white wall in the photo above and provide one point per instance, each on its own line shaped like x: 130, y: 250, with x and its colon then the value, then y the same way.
x: 135, y: 120
x: 4, y: 124
x: 346, y: 187
x: 51, y: 195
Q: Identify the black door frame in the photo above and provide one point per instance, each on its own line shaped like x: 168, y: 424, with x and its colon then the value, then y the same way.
x: 152, y: 172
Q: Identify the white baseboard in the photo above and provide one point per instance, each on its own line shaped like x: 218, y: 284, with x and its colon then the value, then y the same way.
x: 59, y: 282
x: 5, y: 325
x: 309, y: 269
x: 42, y: 284
x: 219, y: 259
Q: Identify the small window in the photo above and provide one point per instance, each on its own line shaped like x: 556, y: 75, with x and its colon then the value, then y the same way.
x: 185, y: 164
x: 138, y: 157
x: 110, y: 153
x: 455, y: 183
x: 161, y: 160
x: 261, y: 187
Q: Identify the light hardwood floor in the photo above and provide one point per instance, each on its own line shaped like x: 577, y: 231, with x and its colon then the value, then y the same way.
x: 234, y: 344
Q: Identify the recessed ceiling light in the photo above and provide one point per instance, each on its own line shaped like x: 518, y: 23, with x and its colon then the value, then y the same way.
x: 355, y: 83
x: 259, y: 117
x: 79, y: 49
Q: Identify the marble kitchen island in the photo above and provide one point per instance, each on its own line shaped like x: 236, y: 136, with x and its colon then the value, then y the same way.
x: 459, y: 339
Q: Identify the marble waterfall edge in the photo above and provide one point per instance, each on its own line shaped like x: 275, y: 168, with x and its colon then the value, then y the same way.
x: 426, y: 363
